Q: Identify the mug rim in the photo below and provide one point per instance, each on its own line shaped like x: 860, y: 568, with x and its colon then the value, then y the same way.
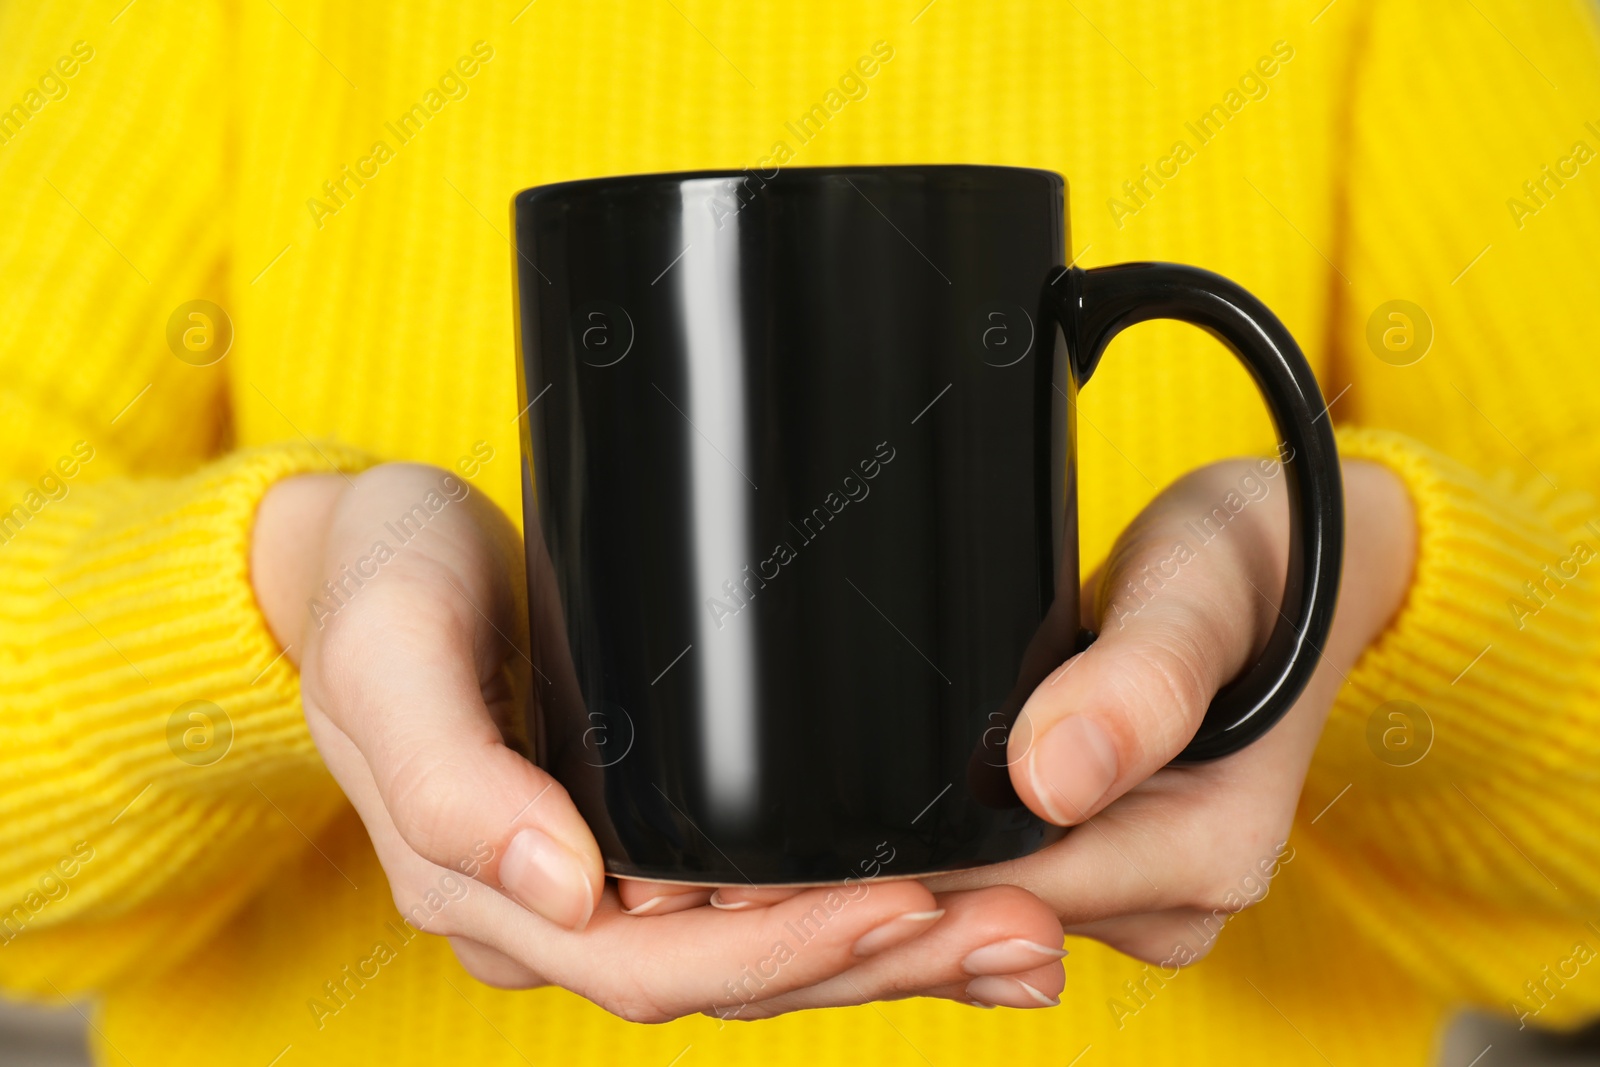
x: 608, y: 182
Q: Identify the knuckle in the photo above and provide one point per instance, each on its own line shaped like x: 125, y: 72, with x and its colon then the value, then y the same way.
x: 1181, y: 941
x: 1005, y: 895
x: 1198, y: 951
x: 1170, y: 683
x: 422, y: 799
x: 371, y: 635
x: 741, y: 1013
x: 1216, y: 898
x: 400, y: 471
x: 637, y: 1009
x: 1176, y: 666
x: 493, y: 968
x: 1013, y: 911
x: 1235, y: 873
x: 360, y: 614
x: 1223, y: 897
x: 418, y: 916
x: 346, y: 639
x: 485, y: 973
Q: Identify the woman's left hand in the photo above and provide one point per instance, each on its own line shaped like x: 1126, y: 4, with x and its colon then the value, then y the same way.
x: 1161, y: 855
x: 1165, y: 854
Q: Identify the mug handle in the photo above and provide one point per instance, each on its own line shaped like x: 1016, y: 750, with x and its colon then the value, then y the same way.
x: 1093, y: 306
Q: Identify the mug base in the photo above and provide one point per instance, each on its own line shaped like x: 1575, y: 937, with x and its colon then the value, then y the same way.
x: 714, y: 883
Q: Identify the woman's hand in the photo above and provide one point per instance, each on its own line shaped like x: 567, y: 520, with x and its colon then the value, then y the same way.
x: 1166, y: 854
x: 399, y: 594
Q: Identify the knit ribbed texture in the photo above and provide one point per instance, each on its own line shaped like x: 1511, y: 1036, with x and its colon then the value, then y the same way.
x: 152, y: 725
x: 1371, y: 152
x: 1466, y: 845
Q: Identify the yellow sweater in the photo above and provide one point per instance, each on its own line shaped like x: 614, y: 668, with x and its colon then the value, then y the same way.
x: 224, y: 909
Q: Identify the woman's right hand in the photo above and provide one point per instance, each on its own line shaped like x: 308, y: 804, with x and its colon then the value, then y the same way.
x: 413, y: 679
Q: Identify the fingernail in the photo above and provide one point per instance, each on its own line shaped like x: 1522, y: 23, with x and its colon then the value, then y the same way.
x: 1009, y: 957
x: 897, y: 930
x: 1011, y: 992
x: 1071, y: 767
x: 645, y: 908
x: 546, y: 878
x: 979, y: 1004
x: 668, y: 903
x: 729, y: 905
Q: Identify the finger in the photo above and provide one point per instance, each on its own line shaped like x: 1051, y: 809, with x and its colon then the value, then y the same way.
x: 1207, y: 838
x: 1096, y: 872
x: 647, y: 968
x: 739, y: 897
x: 1029, y: 989
x: 654, y: 968
x: 1178, y: 617
x: 1026, y: 989
x: 492, y: 967
x: 1170, y: 939
x: 987, y: 938
x: 659, y: 898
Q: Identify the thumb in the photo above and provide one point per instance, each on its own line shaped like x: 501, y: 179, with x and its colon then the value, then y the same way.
x: 1185, y: 601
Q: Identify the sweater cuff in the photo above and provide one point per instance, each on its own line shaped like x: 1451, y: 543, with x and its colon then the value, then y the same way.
x: 1497, y: 619
x: 157, y: 726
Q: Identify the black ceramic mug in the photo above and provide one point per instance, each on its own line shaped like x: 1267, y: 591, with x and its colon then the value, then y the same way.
x: 800, y: 502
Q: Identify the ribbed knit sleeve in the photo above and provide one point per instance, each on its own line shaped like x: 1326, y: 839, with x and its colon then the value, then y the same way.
x: 155, y: 762
x: 1453, y: 800
x: 1456, y: 785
